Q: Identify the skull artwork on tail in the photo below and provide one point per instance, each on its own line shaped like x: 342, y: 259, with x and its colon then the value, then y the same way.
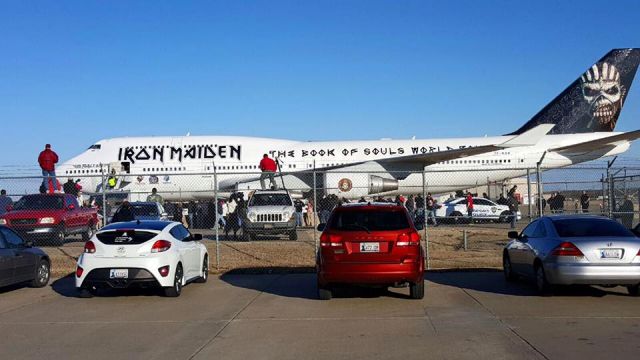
x: 601, y: 88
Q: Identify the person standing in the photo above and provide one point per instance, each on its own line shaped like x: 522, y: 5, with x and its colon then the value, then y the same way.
x: 155, y: 197
x: 410, y: 204
x: 48, y: 160
x: 268, y: 168
x: 431, y: 209
x: 70, y: 187
x: 298, y: 205
x: 560, y: 203
x: 470, y: 206
x: 124, y: 213
x: 513, y: 208
x: 584, y: 202
x: 626, y: 212
x: 308, y: 216
x: 5, y: 201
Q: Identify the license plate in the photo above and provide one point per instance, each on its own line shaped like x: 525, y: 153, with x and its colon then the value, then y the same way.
x: 268, y: 226
x: 611, y: 253
x: 370, y: 247
x: 119, y: 274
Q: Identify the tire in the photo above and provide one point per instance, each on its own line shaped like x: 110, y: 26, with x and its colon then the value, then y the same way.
x: 634, y: 290
x: 542, y: 285
x: 456, y: 217
x: 42, y: 274
x: 416, y: 290
x: 86, y: 236
x: 205, y: 271
x: 176, y: 289
x: 324, y: 292
x: 85, y: 293
x: 504, y: 216
x: 507, y: 269
x: 59, y: 237
x: 293, y: 235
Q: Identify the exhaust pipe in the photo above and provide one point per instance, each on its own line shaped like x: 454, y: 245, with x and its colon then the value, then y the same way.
x: 379, y: 184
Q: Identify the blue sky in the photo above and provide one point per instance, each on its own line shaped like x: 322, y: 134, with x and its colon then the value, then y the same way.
x: 74, y: 72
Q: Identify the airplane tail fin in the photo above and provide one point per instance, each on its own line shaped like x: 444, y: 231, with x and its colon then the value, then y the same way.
x: 592, y: 103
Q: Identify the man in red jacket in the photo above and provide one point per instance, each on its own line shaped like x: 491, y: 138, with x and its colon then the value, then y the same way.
x: 48, y: 160
x: 470, y: 206
x: 269, y: 168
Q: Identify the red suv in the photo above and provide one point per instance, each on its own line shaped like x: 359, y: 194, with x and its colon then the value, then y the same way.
x: 370, y: 244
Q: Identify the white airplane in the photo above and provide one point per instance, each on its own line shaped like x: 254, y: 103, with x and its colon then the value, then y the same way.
x: 575, y: 127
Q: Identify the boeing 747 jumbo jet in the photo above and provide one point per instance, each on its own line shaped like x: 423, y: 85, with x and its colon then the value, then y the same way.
x: 577, y: 126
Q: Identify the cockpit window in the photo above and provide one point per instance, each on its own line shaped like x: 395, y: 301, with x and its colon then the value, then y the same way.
x: 95, y: 147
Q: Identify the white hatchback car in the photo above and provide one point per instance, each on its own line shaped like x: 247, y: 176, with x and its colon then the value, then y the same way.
x: 144, y: 254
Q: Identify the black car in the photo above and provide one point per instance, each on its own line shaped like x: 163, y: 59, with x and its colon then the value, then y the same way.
x: 20, y: 262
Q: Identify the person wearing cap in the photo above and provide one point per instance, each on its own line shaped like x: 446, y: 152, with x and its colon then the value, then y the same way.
x: 268, y: 167
x: 48, y: 160
x: 124, y: 213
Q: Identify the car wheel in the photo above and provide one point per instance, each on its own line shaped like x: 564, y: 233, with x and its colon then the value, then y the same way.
x: 293, y: 235
x: 324, y: 292
x: 86, y: 293
x: 416, y: 291
x: 507, y: 269
x: 504, y: 216
x: 634, y: 290
x: 205, y: 270
x: 86, y: 236
x: 542, y: 285
x: 42, y: 275
x: 176, y: 289
x: 59, y: 236
x: 456, y: 217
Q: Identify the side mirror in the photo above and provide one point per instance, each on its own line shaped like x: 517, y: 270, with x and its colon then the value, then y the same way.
x: 164, y: 214
x: 28, y: 243
x: 321, y: 227
x: 196, y: 237
x: 513, y: 235
x: 419, y: 226
x: 71, y: 207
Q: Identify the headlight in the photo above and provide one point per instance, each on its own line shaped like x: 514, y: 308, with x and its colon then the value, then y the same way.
x: 252, y: 216
x: 3, y: 222
x: 47, y: 220
x: 287, y: 215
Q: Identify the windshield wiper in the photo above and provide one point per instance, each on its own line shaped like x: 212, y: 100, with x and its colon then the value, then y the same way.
x: 359, y: 227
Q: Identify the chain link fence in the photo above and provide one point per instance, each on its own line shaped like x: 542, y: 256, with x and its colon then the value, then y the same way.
x: 218, y: 203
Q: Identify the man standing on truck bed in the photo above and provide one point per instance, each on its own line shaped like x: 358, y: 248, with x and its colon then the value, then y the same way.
x: 268, y: 167
x: 48, y: 160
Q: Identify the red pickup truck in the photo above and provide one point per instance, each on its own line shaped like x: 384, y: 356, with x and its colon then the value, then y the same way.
x: 48, y: 219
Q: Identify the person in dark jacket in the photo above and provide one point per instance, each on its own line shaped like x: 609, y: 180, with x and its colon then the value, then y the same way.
x: 124, y: 213
x: 626, y: 212
x: 584, y: 202
x: 513, y: 208
x: 48, y: 160
x: 70, y: 187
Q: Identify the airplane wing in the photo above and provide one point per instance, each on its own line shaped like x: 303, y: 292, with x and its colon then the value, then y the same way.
x: 599, y: 143
x: 528, y: 138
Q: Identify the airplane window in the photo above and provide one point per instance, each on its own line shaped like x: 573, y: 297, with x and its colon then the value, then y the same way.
x: 95, y: 147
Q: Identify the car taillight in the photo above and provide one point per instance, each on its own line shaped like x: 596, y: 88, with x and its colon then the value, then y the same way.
x: 566, y: 249
x: 89, y: 247
x: 79, y: 271
x: 327, y: 240
x: 410, y: 239
x: 160, y: 246
x: 164, y: 271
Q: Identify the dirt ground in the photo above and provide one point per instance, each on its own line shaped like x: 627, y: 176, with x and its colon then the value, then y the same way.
x: 446, y: 251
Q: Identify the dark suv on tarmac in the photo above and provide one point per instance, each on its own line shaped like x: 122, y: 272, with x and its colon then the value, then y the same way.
x: 370, y: 244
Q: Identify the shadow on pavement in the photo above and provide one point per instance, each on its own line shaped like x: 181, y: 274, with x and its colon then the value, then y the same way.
x: 493, y: 281
x: 297, y: 282
x: 66, y: 287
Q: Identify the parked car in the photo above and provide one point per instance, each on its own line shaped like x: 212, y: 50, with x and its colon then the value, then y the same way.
x: 159, y: 254
x: 270, y: 212
x: 50, y: 218
x: 21, y: 262
x: 574, y: 249
x: 455, y: 210
x: 372, y: 244
x: 147, y: 210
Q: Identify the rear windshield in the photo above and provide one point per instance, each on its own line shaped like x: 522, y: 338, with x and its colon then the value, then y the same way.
x: 369, y: 220
x: 39, y: 202
x: 590, y: 227
x: 125, y: 237
x: 145, y: 210
x: 270, y: 200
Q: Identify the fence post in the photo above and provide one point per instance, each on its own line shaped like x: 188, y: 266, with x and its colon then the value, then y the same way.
x: 104, y: 196
x: 464, y: 239
x: 426, y: 220
x: 315, y: 207
x: 529, y: 199
x: 215, y: 226
x: 539, y: 185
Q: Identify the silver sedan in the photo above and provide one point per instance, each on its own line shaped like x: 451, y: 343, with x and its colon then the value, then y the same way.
x: 572, y: 250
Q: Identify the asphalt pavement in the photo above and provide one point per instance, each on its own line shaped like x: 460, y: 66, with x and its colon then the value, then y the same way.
x: 465, y: 315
